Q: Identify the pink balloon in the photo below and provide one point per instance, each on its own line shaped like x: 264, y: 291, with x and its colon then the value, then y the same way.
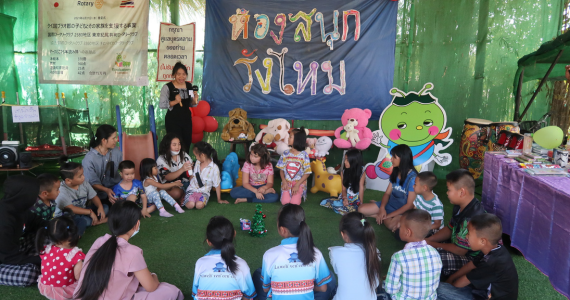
x: 196, y: 137
x: 202, y: 109
x: 211, y: 124
x: 198, y: 125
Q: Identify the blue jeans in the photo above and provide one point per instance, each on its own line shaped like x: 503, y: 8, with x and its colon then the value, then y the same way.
x: 262, y: 295
x: 446, y: 291
x: 84, y: 221
x: 241, y: 192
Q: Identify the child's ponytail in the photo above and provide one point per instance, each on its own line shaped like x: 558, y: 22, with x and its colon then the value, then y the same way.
x: 360, y: 231
x: 220, y: 233
x: 123, y: 217
x: 204, y: 148
x: 229, y: 255
x: 292, y: 217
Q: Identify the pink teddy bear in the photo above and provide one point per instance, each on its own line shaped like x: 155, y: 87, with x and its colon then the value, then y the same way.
x: 359, y: 119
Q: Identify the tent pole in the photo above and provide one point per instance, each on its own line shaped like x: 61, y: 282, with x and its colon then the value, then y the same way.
x: 411, y: 37
x: 540, y: 86
x: 518, y: 97
x: 175, y: 12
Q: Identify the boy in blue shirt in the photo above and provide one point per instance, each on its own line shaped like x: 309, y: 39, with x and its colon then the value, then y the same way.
x: 132, y: 189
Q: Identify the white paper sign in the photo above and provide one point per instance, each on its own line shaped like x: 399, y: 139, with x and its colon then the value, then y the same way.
x: 93, y: 41
x: 25, y: 114
x: 175, y: 44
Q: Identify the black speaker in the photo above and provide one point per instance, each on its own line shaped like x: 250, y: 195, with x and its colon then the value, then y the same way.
x: 25, y: 160
x: 8, y: 156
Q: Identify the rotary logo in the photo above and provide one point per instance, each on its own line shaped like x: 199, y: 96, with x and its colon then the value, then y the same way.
x: 99, y: 4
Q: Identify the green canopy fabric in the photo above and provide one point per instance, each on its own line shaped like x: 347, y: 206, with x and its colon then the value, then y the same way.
x: 536, y: 64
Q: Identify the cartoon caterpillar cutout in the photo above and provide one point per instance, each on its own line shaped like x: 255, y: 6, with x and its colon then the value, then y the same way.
x: 417, y: 120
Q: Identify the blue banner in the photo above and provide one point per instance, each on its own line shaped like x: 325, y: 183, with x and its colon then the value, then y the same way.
x: 304, y: 60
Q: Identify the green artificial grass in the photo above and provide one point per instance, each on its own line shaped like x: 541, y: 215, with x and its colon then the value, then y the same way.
x: 171, y: 246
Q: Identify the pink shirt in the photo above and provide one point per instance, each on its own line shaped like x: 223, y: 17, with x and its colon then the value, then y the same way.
x: 257, y: 177
x: 123, y: 284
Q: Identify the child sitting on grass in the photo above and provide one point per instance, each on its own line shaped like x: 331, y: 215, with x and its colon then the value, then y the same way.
x: 461, y: 193
x: 78, y: 199
x: 357, y: 263
x: 49, y: 190
x: 220, y: 271
x: 353, y: 185
x: 155, y: 191
x: 400, y: 195
x: 62, y: 261
x: 427, y: 200
x: 257, y: 178
x: 132, y: 189
x: 414, y: 272
x: 206, y: 177
x: 492, y: 270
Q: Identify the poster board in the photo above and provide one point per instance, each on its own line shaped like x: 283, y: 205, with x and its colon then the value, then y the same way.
x: 103, y: 42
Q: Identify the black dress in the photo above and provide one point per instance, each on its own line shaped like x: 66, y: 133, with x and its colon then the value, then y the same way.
x: 179, y: 119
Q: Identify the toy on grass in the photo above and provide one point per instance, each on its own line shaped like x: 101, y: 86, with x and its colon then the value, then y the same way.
x: 231, y: 165
x: 227, y: 182
x: 201, y: 121
x: 275, y: 136
x: 359, y: 119
x: 324, y: 144
x: 245, y: 224
x: 257, y: 224
x: 238, y: 126
x: 324, y: 181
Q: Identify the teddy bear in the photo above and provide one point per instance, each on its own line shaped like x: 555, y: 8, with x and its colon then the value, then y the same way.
x: 275, y: 135
x: 351, y: 133
x: 359, y: 119
x: 237, y: 125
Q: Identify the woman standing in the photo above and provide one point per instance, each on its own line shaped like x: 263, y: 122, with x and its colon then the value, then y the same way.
x: 177, y: 96
x: 101, y: 163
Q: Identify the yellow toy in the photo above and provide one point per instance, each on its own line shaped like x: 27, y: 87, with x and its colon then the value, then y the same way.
x: 324, y: 181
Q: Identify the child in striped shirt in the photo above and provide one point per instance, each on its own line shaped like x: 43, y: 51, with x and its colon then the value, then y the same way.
x: 427, y: 200
x: 414, y: 271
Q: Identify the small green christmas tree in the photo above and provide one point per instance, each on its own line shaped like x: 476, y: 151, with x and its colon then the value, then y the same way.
x: 257, y: 223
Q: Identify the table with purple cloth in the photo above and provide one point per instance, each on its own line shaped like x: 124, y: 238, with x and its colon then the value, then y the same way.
x: 535, y: 212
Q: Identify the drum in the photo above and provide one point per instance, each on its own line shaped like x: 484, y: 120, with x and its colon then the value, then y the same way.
x: 474, y: 143
x: 495, y: 129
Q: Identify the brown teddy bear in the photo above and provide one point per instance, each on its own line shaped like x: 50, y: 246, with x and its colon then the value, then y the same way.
x: 238, y: 125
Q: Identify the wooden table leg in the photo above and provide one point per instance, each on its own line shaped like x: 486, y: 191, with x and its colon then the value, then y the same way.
x: 246, y: 149
x: 232, y: 148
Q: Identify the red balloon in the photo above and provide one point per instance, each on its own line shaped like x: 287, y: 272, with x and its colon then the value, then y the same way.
x: 211, y: 124
x: 196, y: 137
x: 198, y: 125
x: 202, y: 109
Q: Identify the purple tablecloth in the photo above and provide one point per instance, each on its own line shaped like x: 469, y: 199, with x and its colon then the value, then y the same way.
x: 535, y: 212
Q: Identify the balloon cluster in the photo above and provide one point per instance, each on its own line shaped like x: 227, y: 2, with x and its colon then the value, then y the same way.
x: 201, y: 121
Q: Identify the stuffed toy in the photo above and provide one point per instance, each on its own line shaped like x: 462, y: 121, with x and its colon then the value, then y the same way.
x: 359, y: 119
x: 231, y: 165
x: 275, y: 136
x: 324, y: 144
x: 238, y: 125
x: 227, y: 182
x: 351, y: 133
